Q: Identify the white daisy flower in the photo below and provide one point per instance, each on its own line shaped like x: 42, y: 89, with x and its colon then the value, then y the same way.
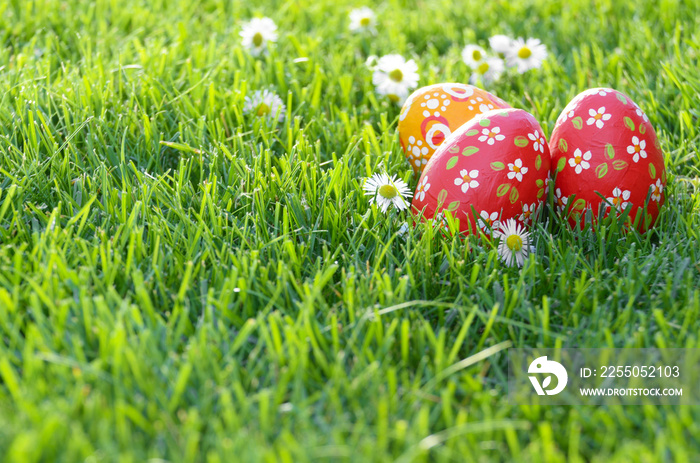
x: 387, y: 191
x: 640, y: 113
x: 517, y: 170
x: 466, y: 179
x: 560, y: 200
x: 473, y: 55
x: 256, y: 34
x: 394, y: 76
x: 489, y: 70
x: 264, y: 103
x: 538, y: 139
x: 363, y: 20
x: 528, y: 210
x: 564, y: 116
x: 526, y: 54
x: 619, y: 199
x: 657, y: 189
x: 547, y: 183
x: 514, y: 244
x: 501, y: 44
x: 488, y: 221
x: 490, y: 136
x: 598, y: 117
x: 580, y: 161
x: 637, y: 148
x: 423, y: 187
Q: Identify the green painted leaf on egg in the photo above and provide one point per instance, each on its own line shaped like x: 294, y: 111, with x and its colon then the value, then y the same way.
x: 442, y: 196
x: 621, y: 98
x: 472, y: 132
x: 502, y: 189
x: 642, y: 128
x: 453, y: 149
x: 652, y: 171
x: 453, y: 206
x: 498, y: 165
x: 452, y: 162
x: 521, y: 142
x: 579, y: 205
x: 560, y: 164
x: 602, y: 170
x: 538, y: 162
x: 539, y: 182
x: 619, y: 164
x: 540, y: 193
x: 563, y: 146
x: 504, y: 114
x: 484, y: 122
x: 629, y: 123
x: 469, y: 150
x: 514, y: 195
x: 578, y: 122
x: 609, y: 151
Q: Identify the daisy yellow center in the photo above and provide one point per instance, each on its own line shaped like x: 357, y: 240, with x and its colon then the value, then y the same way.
x: 657, y: 191
x: 524, y: 53
x: 388, y: 191
x: 396, y: 75
x: 364, y: 22
x: 262, y: 110
x: 483, y: 68
x: 637, y: 149
x: 492, y: 134
x: 617, y: 201
x: 598, y: 117
x: 476, y: 54
x: 257, y: 39
x: 577, y: 159
x: 514, y: 243
x: 516, y: 169
x: 466, y: 178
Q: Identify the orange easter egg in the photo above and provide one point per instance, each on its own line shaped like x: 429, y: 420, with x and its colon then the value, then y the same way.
x: 432, y: 113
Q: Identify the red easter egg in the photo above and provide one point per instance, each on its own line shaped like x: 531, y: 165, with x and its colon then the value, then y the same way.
x: 603, y: 145
x: 493, y: 168
x: 432, y: 113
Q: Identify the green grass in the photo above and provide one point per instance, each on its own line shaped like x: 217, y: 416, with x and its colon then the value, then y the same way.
x: 178, y: 281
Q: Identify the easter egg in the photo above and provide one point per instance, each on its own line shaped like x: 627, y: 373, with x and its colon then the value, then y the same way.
x: 607, y: 159
x: 431, y: 114
x: 493, y: 168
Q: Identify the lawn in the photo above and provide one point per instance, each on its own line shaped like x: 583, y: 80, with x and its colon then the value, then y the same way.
x: 181, y: 281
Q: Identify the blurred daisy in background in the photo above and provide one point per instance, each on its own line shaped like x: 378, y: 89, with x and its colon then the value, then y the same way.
x: 473, y: 55
x: 363, y: 20
x: 387, y: 191
x: 394, y: 77
x: 264, y: 103
x: 526, y: 54
x: 257, y: 33
x: 489, y: 70
x: 514, y: 244
x: 500, y: 44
